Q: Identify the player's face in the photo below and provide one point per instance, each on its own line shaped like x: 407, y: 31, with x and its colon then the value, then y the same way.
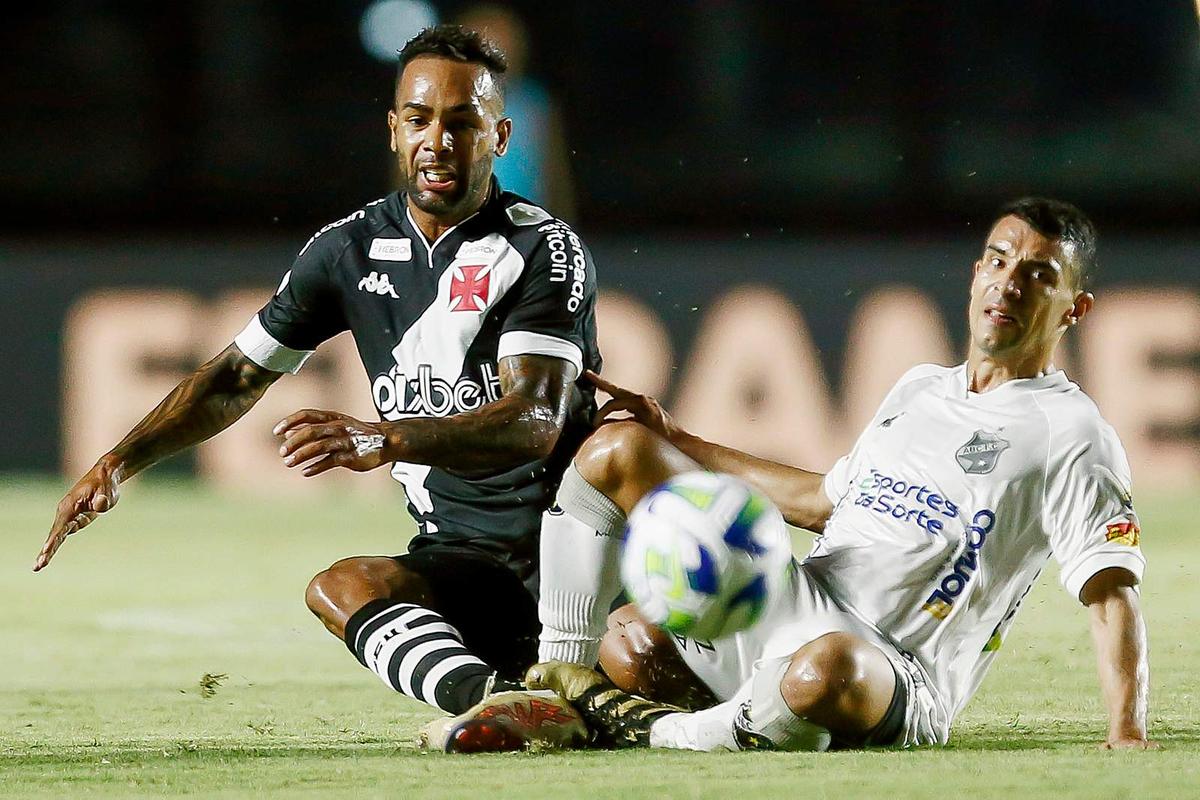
x: 446, y: 128
x: 1024, y: 293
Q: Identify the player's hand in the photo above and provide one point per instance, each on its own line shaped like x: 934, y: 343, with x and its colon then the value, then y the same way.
x: 95, y: 493
x: 321, y: 440
x: 642, y: 408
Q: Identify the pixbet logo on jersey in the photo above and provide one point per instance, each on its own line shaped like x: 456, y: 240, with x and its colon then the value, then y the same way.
x: 428, y: 395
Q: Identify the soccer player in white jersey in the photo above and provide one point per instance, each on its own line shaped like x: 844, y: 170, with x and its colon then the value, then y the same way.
x: 933, y: 528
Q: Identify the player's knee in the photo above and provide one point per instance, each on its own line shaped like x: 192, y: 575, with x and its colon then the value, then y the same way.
x: 345, y: 583
x: 822, y: 673
x: 630, y: 648
x: 322, y: 592
x: 613, y: 451
x: 641, y: 659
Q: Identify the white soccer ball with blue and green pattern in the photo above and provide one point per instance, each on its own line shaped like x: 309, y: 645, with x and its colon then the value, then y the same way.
x: 705, y: 555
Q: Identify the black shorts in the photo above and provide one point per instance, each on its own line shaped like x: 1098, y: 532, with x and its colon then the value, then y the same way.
x: 483, y: 597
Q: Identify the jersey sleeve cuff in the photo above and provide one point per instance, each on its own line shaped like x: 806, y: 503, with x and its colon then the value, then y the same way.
x: 528, y: 343
x: 1074, y: 578
x: 828, y: 483
x: 268, y: 352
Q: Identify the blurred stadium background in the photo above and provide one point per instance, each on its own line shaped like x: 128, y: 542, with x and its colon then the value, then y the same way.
x: 784, y: 202
x: 783, y: 206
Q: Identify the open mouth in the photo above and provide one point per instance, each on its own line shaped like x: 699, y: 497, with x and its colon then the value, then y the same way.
x: 998, y: 317
x: 436, y: 178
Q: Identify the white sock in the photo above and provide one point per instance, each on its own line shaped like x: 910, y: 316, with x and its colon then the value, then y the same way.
x: 580, y: 571
x: 770, y: 716
x: 708, y: 730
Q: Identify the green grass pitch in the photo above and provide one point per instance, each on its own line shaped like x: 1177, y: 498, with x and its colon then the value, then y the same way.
x: 104, y: 656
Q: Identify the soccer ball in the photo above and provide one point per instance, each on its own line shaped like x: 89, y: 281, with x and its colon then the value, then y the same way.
x: 704, y: 555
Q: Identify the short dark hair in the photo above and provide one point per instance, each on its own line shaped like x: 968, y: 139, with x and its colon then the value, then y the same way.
x: 1059, y: 220
x: 458, y: 44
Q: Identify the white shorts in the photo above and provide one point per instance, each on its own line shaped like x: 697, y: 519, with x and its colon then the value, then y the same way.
x: 727, y: 665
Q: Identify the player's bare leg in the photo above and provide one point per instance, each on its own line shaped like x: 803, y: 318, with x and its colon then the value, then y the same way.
x: 625, y: 460
x: 408, y: 619
x: 837, y: 690
x: 642, y: 659
x: 838, y: 683
x: 350, y: 584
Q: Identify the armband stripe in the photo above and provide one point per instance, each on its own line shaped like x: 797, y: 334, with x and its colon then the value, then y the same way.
x: 268, y: 352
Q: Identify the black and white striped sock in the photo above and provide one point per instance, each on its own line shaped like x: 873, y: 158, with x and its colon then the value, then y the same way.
x: 418, y: 653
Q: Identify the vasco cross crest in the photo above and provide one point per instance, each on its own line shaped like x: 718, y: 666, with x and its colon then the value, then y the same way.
x: 980, y: 454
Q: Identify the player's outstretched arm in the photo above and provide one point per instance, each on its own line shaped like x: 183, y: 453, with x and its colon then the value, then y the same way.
x: 202, y: 405
x: 1119, y: 633
x: 797, y: 493
x: 522, y: 426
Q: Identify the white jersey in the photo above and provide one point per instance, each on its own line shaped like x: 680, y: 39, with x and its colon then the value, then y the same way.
x: 950, y: 504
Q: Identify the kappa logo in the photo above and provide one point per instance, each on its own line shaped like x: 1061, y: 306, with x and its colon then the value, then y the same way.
x: 379, y: 283
x: 469, y: 287
x: 980, y: 454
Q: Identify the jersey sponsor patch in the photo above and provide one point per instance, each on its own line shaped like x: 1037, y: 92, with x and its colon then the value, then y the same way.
x: 390, y: 250
x: 360, y: 214
x: 566, y: 260
x: 907, y: 501
x: 526, y: 214
x: 941, y: 601
x: 1127, y: 533
x: 425, y: 394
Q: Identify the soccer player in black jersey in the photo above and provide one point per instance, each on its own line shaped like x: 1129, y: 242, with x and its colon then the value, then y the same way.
x: 473, y: 313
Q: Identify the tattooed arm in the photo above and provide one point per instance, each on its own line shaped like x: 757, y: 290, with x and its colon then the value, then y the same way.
x: 523, y: 425
x: 204, y: 404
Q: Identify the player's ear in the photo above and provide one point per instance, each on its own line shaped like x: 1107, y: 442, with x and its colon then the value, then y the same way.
x: 503, y: 134
x: 393, y: 119
x: 1079, y: 309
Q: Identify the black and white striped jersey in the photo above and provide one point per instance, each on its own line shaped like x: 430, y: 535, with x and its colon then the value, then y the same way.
x: 431, y: 321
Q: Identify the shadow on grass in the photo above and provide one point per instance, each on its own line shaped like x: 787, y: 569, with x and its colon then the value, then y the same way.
x: 142, y: 752
x: 1059, y: 736
x: 126, y: 753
